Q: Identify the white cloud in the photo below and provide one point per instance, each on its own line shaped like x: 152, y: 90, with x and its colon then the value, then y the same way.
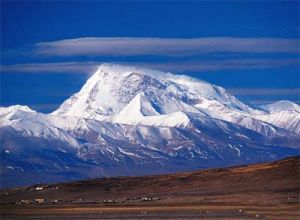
x: 206, y: 65
x: 220, y: 65
x: 130, y: 46
x: 176, y: 67
x: 62, y: 67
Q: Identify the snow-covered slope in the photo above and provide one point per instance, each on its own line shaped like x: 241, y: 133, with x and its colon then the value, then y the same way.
x: 134, y: 121
x: 30, y: 123
x: 112, y: 87
x: 284, y: 114
x: 283, y: 105
x: 130, y: 95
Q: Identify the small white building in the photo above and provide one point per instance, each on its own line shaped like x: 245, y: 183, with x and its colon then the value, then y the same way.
x: 40, y: 201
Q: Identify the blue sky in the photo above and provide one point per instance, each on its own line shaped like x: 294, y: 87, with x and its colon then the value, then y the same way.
x: 49, y: 49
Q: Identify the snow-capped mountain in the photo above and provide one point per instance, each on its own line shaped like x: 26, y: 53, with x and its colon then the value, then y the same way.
x: 113, y: 87
x: 135, y: 121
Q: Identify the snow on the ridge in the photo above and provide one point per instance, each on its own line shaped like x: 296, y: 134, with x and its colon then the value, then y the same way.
x: 134, y: 95
x: 7, y: 112
x: 121, y: 69
x: 283, y: 105
x: 113, y: 87
x: 14, y: 108
x: 139, y: 96
x: 14, y: 112
x: 31, y: 123
x: 289, y: 120
x: 105, y: 93
x: 196, y: 89
x: 235, y: 148
x: 129, y: 153
x: 176, y: 119
x: 141, y: 111
x: 218, y: 110
x: 128, y: 118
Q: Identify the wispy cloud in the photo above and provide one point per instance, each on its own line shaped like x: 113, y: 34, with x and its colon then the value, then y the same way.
x: 62, y: 67
x: 176, y: 67
x: 118, y: 47
x: 134, y: 46
x: 220, y: 65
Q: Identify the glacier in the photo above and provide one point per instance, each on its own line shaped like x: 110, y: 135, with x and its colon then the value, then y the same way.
x: 135, y: 121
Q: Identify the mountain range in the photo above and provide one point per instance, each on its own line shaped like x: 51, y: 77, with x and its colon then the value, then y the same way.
x: 135, y: 121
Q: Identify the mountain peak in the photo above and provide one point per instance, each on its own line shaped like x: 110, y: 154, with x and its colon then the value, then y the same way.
x: 130, y: 119
x: 283, y: 105
x: 114, y: 86
x: 15, y: 108
x: 10, y: 113
x: 121, y: 69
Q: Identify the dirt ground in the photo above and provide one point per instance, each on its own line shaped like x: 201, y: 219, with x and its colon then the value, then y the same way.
x: 154, y: 211
x: 261, y: 191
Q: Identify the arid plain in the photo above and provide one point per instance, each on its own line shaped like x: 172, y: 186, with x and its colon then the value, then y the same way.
x: 259, y: 191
